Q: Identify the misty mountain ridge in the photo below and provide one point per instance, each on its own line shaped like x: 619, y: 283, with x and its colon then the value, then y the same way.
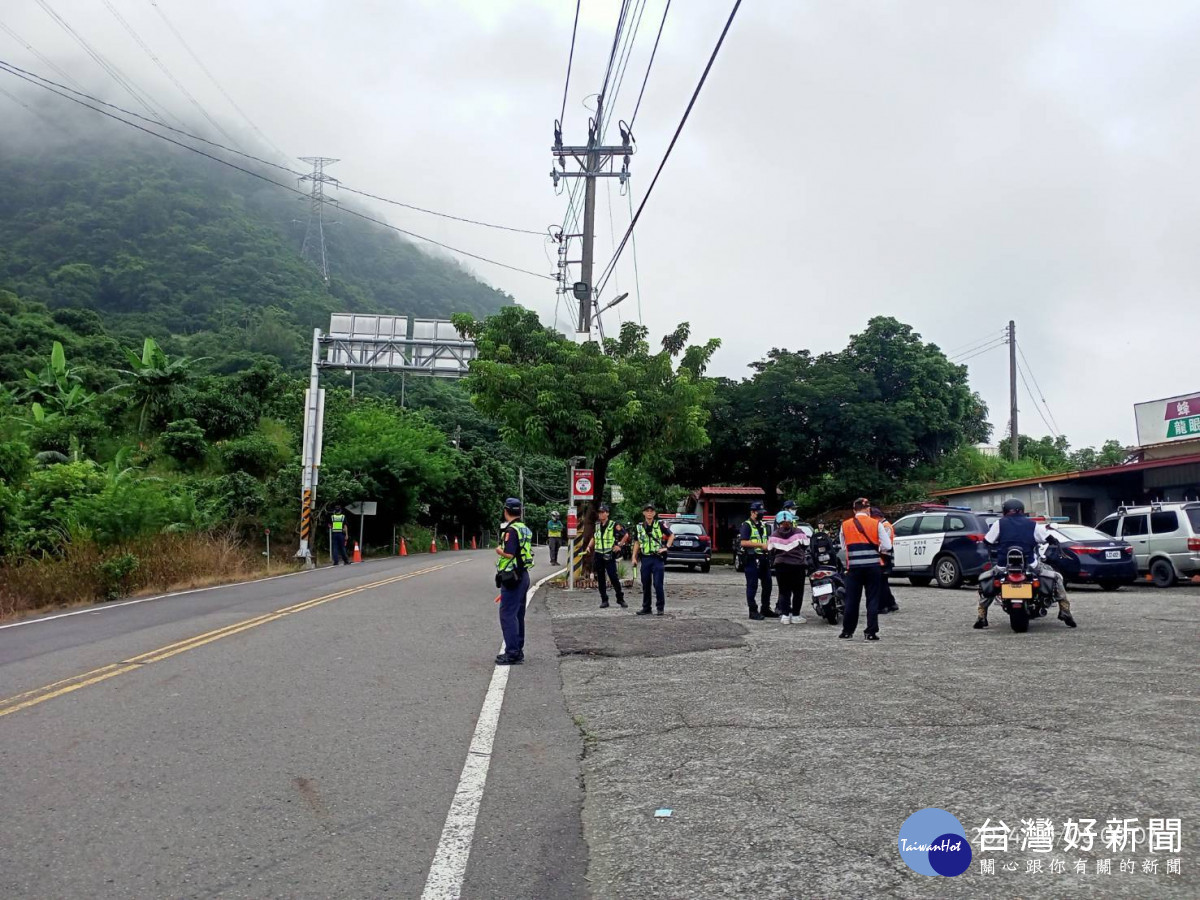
x: 162, y: 242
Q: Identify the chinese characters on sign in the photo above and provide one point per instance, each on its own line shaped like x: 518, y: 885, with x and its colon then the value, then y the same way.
x: 1116, y: 837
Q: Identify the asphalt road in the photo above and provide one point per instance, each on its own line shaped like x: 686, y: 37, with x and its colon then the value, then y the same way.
x: 300, y: 737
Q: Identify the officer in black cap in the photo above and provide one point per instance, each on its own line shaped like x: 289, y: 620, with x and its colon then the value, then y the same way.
x: 650, y: 550
x: 606, y: 542
x: 514, y: 559
x: 756, y: 564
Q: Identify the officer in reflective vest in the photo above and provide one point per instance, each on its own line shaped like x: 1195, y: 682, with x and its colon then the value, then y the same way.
x: 606, y: 541
x: 866, y: 544
x: 514, y: 560
x: 650, y: 551
x: 756, y: 564
x: 337, y: 525
x: 554, y: 533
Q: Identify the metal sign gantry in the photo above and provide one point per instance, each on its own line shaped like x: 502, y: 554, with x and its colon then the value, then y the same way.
x: 402, y: 344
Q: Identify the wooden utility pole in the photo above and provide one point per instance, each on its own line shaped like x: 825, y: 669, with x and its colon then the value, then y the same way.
x: 1014, y: 431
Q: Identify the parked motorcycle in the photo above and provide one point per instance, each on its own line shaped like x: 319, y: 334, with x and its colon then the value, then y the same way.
x: 828, y: 593
x: 1021, y: 591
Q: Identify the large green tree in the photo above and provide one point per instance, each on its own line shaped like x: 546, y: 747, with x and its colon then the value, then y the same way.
x: 551, y: 395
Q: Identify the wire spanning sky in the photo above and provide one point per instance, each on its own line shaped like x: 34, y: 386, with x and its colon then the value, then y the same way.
x: 953, y: 165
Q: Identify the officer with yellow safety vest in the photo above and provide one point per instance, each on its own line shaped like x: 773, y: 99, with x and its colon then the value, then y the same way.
x: 337, y: 528
x: 607, y: 541
x: 866, y: 542
x: 650, y: 543
x: 554, y: 535
x: 756, y: 564
x: 514, y: 560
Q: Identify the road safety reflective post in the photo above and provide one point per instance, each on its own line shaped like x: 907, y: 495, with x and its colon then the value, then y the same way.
x: 572, y: 524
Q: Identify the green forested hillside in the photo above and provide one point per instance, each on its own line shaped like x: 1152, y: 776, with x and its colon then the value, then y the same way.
x: 161, y: 242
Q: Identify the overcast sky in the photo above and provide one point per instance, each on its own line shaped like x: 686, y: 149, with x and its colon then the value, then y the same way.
x: 951, y: 164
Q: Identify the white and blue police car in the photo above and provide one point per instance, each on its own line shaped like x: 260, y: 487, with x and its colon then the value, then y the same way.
x: 943, y: 544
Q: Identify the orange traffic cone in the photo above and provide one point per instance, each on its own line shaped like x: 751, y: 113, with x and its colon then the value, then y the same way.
x: 357, y: 552
x: 403, y: 548
x: 473, y: 547
x: 456, y: 543
x: 433, y: 546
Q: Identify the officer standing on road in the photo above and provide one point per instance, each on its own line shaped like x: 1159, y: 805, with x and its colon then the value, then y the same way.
x: 606, y: 541
x: 755, y: 563
x: 337, y: 525
x: 865, y: 542
x: 650, y: 550
x: 554, y: 533
x: 887, y: 600
x: 1015, y: 530
x: 514, y: 560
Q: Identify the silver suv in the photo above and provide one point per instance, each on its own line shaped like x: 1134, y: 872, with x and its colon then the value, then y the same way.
x: 1165, y: 538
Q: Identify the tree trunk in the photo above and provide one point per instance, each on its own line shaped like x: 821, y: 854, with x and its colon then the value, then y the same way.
x: 587, y: 512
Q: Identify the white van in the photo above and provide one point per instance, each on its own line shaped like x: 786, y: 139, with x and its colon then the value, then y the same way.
x: 1165, y: 538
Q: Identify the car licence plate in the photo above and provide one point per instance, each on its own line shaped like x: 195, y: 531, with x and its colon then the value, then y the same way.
x: 820, y: 590
x: 1016, y: 591
x: 1112, y: 554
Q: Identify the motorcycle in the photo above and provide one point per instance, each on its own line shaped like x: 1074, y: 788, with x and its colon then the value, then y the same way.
x: 1021, y: 591
x: 828, y: 593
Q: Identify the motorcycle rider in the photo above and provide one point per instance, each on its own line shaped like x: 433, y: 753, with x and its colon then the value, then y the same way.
x: 1017, y: 530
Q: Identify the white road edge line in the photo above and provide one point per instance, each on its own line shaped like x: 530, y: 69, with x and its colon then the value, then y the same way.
x: 104, y: 607
x: 449, y: 867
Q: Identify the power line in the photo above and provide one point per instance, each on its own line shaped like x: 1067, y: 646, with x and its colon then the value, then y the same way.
x: 687, y: 112
x: 612, y: 55
x: 974, y: 342
x: 622, y: 66
x: 570, y: 61
x: 259, y: 159
x: 980, y: 348
x: 41, y: 58
x: 1041, y: 393
x: 12, y: 71
x: 113, y: 72
x: 213, y: 78
x: 637, y: 282
x: 961, y: 360
x: 163, y: 68
x: 649, y: 65
x: 1037, y: 409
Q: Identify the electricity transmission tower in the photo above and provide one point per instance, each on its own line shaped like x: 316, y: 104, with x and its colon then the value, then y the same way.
x: 313, y: 248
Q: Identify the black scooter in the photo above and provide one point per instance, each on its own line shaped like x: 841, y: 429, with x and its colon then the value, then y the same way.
x: 828, y: 593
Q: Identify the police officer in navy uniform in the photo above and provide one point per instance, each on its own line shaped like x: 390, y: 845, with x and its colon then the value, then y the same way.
x: 650, y: 552
x: 514, y: 560
x: 756, y: 564
x: 337, y: 525
x: 607, y: 541
x: 1015, y: 530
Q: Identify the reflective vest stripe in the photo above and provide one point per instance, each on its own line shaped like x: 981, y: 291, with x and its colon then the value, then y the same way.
x: 339, y: 522
x: 861, y: 551
x: 651, y: 539
x: 524, y: 558
x: 606, y: 536
x: 757, y: 533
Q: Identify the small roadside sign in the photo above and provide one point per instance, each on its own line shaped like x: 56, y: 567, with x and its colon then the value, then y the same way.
x: 584, y: 486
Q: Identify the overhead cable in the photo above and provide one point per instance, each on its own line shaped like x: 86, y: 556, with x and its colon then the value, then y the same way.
x: 258, y: 159
x: 649, y: 65
x: 11, y: 70
x: 674, y: 139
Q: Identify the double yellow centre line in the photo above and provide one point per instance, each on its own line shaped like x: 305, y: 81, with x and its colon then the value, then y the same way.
x: 112, y: 670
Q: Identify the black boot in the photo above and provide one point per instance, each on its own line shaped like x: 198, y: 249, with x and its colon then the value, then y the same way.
x: 768, y: 613
x: 1067, y: 619
x: 644, y: 611
x: 755, y: 615
x: 981, y: 622
x: 621, y: 603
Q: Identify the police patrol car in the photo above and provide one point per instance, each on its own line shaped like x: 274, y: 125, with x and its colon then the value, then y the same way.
x: 943, y: 544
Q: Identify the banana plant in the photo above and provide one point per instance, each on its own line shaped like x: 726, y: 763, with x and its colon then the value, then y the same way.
x: 154, y: 378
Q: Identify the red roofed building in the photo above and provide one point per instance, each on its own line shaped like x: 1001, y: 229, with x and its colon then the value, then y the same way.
x: 722, y: 510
